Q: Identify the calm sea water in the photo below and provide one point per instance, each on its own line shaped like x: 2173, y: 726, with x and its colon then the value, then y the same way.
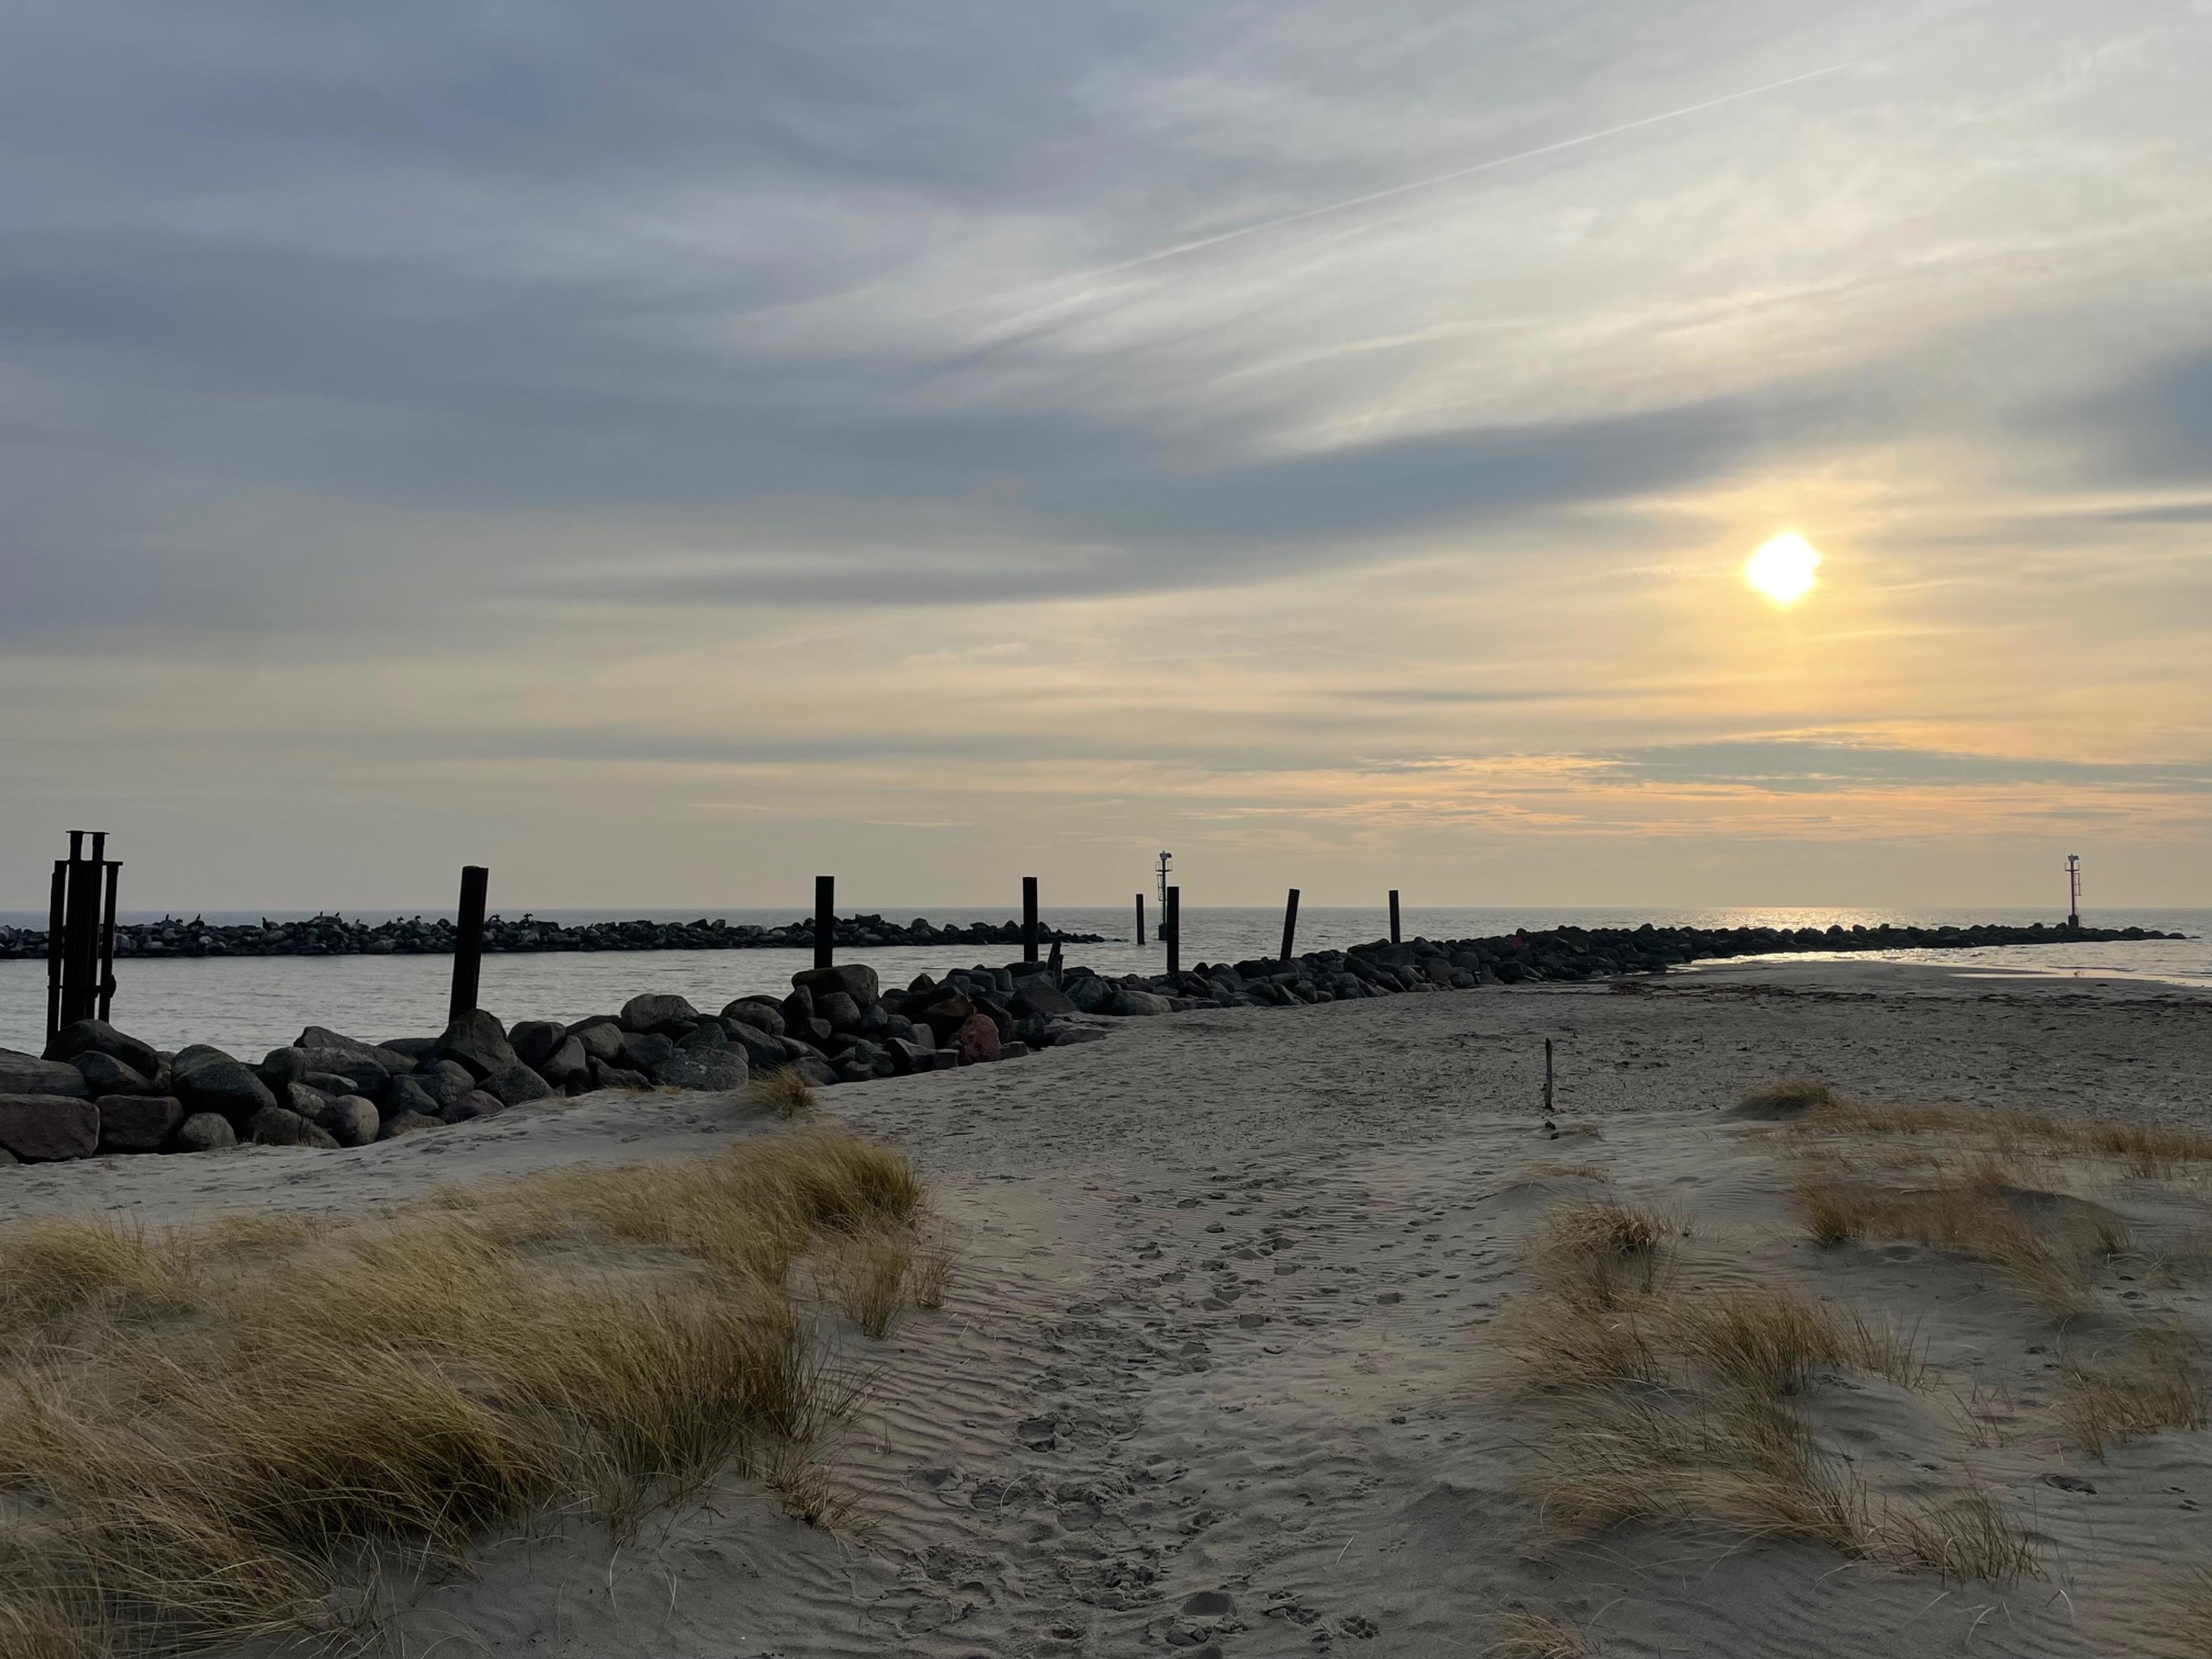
x: 252, y: 1004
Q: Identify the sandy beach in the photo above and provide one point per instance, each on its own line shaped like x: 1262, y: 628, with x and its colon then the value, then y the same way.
x: 1219, y: 1372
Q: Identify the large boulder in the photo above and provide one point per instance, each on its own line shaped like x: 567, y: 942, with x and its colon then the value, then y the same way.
x: 43, y: 1128
x: 1128, y: 1000
x: 478, y: 1042
x: 944, y: 1014
x: 420, y: 1050
x: 275, y: 1126
x: 27, y: 1074
x: 659, y: 1011
x: 1038, y: 996
x: 762, y: 1051
x: 1091, y: 995
x: 705, y: 1068
x: 352, y: 1122
x: 365, y: 1075
x: 406, y: 1123
x: 97, y: 1036
x: 445, y: 1082
x: 855, y: 979
x: 842, y: 1011
x: 138, y: 1123
x: 567, y: 1067
x: 309, y: 1101
x: 608, y: 1076
x: 321, y: 1036
x: 205, y: 1131
x: 103, y: 1074
x: 518, y: 1085
x: 473, y: 1105
x: 644, y: 1051
x: 209, y: 1080
x: 535, y: 1039
x: 977, y: 1039
x: 408, y: 1095
x: 602, y: 1037
x: 909, y: 1056
x: 1064, y: 1033
x: 762, y: 1013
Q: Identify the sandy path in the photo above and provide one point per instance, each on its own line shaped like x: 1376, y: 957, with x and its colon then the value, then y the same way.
x: 1214, y: 1377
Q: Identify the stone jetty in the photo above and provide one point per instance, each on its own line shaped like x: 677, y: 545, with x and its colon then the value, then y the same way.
x: 98, y: 1089
x: 335, y: 936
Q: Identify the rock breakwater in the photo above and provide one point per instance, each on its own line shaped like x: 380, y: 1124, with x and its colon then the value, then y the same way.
x: 335, y: 936
x: 98, y: 1089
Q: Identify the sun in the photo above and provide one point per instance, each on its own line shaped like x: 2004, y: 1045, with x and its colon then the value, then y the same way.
x: 1782, y: 568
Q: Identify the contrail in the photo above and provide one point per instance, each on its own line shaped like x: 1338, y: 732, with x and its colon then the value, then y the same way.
x: 1303, y: 214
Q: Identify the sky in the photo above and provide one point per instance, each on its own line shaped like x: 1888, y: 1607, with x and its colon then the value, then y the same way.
x: 668, y: 450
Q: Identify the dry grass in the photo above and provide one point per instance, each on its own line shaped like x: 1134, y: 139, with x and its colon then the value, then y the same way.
x: 784, y: 1091
x: 1567, y: 1172
x: 1789, y: 1098
x: 1976, y: 1213
x: 204, y: 1435
x: 2149, y: 1150
x: 2155, y: 1380
x: 865, y: 1273
x: 1524, y: 1633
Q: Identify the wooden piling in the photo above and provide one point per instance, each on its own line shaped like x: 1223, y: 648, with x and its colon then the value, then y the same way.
x: 1140, y: 918
x: 1290, y: 924
x: 1172, y: 931
x: 1029, y: 918
x: 825, y: 920
x: 1393, y: 915
x: 56, y: 920
x: 1547, y: 1077
x: 468, y: 942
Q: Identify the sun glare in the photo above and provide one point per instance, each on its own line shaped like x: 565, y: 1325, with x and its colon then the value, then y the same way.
x: 1782, y: 568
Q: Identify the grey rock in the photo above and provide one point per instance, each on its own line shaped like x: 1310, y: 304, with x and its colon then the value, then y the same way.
x: 321, y: 1036
x: 535, y: 1039
x: 1091, y: 994
x: 1038, y: 996
x: 567, y: 1067
x: 1013, y: 1050
x: 909, y: 1056
x: 282, y: 1065
x: 855, y: 979
x: 843, y: 1012
x: 209, y: 1080
x: 408, y: 1095
x: 27, y: 1074
x: 326, y: 1083
x: 944, y: 1014
x: 472, y: 1105
x: 352, y: 1122
x: 643, y: 1051
x: 606, y: 1076
x: 275, y: 1126
x: 1129, y: 1001
x: 205, y: 1131
x: 601, y: 1036
x: 46, y: 1127
x: 762, y: 1052
x: 421, y: 1050
x: 705, y: 1068
x: 798, y: 1010
x: 406, y: 1123
x: 1064, y: 1033
x: 759, y: 1012
x: 97, y: 1036
x: 518, y: 1085
x: 365, y: 1075
x: 7, y: 1159
x: 309, y: 1101
x: 103, y: 1074
x: 707, y: 1033
x: 138, y: 1123
x: 478, y: 1042
x: 657, y: 1011
x: 815, y: 1070
x: 313, y: 1135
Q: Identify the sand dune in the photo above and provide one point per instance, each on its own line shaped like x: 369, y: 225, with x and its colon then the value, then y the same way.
x: 1222, y: 1367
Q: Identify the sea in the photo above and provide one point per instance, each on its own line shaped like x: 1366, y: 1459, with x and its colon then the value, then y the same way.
x: 248, y: 1005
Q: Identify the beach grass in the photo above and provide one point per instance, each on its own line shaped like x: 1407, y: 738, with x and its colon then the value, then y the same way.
x: 207, y: 1426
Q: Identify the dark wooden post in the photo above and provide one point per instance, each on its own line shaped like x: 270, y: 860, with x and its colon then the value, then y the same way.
x: 1029, y: 918
x: 111, y: 878
x: 1140, y: 918
x: 1393, y: 915
x: 56, y: 920
x: 468, y: 941
x: 1290, y: 924
x: 1172, y: 929
x: 1547, y: 1077
x: 825, y: 919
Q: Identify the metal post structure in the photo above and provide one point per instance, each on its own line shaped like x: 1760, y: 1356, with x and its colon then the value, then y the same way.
x: 1393, y: 915
x: 1165, y: 857
x: 825, y: 919
x: 81, y: 934
x: 2073, y: 889
x: 1140, y: 920
x: 1172, y: 931
x: 1029, y: 918
x: 1290, y: 924
x: 468, y: 942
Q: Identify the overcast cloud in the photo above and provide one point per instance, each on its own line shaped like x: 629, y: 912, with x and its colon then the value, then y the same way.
x: 669, y: 445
